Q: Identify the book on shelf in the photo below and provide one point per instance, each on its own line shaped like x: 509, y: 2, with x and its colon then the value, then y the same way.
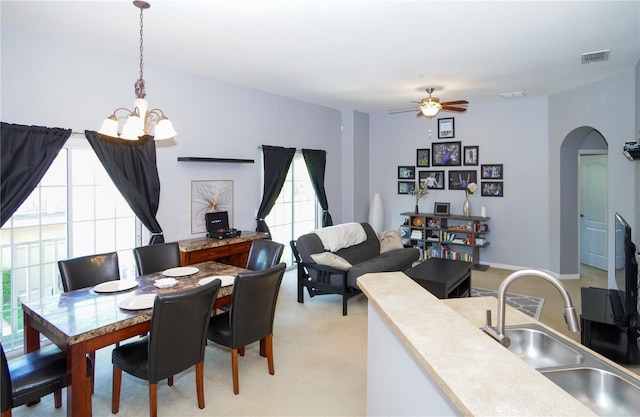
x: 447, y: 236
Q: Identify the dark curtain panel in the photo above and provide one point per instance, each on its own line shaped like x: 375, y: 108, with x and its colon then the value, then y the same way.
x: 27, y: 154
x: 131, y: 164
x: 316, y: 162
x: 277, y: 161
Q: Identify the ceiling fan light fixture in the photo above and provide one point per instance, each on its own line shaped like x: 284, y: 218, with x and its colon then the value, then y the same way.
x: 431, y: 109
x: 140, y: 121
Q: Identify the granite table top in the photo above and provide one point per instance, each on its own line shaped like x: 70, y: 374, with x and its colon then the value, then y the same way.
x: 80, y: 315
x: 191, y: 245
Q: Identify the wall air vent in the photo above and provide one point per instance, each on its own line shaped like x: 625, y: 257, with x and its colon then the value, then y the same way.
x: 599, y: 56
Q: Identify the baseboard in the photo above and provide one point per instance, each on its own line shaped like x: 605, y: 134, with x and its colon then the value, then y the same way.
x: 518, y: 268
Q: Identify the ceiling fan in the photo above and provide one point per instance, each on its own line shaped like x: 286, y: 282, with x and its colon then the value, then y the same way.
x: 429, y: 107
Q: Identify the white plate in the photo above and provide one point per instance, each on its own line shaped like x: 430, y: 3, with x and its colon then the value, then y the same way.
x: 116, y: 286
x: 226, y: 280
x: 165, y: 282
x: 181, y: 271
x: 138, y: 302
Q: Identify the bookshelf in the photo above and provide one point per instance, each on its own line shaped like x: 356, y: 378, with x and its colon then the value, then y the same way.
x: 451, y: 237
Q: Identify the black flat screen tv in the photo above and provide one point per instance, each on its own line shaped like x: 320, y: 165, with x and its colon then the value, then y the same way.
x: 626, y: 271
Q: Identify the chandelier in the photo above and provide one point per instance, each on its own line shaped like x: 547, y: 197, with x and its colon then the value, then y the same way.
x: 141, y: 121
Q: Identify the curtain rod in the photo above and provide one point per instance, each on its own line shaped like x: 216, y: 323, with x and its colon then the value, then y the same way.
x: 299, y: 150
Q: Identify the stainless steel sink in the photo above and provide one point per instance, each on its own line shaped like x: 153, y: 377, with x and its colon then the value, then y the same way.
x: 605, y: 393
x: 602, y: 387
x: 541, y: 350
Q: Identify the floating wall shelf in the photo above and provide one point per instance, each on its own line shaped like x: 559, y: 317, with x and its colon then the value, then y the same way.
x: 203, y: 159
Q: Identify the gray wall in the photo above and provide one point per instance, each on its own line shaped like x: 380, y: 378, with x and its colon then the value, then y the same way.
x: 509, y: 132
x: 609, y: 107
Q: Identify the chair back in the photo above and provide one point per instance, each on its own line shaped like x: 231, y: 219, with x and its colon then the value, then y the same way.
x: 5, y: 383
x: 264, y: 254
x: 156, y: 258
x: 88, y: 271
x: 179, y: 330
x: 253, y: 304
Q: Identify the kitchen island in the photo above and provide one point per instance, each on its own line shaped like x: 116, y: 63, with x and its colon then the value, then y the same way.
x: 427, y: 356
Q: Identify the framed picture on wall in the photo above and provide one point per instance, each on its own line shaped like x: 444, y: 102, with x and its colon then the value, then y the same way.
x: 433, y: 179
x: 471, y: 155
x: 491, y: 171
x: 492, y: 189
x: 441, y: 209
x: 446, y: 128
x: 406, y: 173
x: 446, y: 154
x: 405, y: 187
x: 459, y: 180
x: 208, y: 196
x: 423, y: 157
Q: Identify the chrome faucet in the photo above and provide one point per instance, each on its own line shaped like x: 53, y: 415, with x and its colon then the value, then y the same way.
x: 570, y: 314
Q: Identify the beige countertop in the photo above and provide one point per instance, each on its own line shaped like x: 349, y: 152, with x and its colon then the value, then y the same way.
x: 479, y: 375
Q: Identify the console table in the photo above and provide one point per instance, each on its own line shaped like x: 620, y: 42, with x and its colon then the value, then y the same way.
x: 616, y: 340
x: 233, y: 251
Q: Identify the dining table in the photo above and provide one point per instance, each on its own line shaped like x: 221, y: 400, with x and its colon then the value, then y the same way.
x: 85, y: 320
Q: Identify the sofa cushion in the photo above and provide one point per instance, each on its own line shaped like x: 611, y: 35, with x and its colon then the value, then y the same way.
x: 390, y: 240
x: 330, y: 259
x: 394, y: 260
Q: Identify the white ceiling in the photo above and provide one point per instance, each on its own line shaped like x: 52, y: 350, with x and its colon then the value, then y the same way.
x: 367, y: 55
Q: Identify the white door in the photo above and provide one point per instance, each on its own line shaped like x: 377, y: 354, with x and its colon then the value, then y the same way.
x: 593, y: 210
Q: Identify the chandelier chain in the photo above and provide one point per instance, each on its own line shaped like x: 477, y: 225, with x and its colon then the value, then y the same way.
x: 139, y: 85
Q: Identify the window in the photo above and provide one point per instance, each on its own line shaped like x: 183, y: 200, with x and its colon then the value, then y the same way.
x: 75, y: 211
x: 295, y: 212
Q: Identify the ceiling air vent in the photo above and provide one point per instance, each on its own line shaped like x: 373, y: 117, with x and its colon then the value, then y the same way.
x: 599, y: 56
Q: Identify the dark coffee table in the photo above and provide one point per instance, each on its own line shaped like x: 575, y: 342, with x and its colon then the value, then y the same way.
x: 444, y: 278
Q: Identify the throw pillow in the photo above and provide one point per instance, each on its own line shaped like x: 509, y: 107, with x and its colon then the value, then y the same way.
x: 390, y: 240
x: 331, y: 259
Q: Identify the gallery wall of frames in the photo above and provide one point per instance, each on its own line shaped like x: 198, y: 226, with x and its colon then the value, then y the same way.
x: 451, y: 165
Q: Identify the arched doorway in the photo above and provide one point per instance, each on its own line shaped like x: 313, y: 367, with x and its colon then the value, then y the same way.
x: 578, y: 211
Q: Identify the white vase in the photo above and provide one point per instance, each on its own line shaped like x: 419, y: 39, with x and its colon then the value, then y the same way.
x: 466, y: 207
x: 376, y: 213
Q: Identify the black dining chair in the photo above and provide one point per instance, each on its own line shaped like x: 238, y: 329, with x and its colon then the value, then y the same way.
x: 175, y: 342
x: 253, y: 306
x: 156, y: 258
x: 88, y: 271
x: 30, y: 377
x: 264, y: 254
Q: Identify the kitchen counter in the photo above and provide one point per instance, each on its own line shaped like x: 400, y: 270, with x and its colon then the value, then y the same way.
x: 464, y: 370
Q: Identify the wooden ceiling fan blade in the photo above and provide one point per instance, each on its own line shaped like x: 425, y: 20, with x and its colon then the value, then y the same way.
x: 420, y: 114
x: 457, y: 109
x: 455, y: 102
